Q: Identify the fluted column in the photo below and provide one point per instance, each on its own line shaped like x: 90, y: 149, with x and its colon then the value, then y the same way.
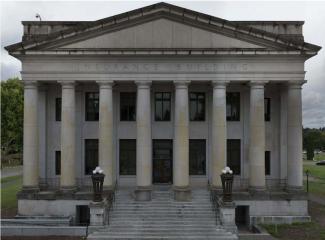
x: 105, y: 132
x: 295, y: 175
x: 68, y: 138
x: 257, y: 137
x: 144, y: 156
x: 181, y: 142
x: 31, y: 147
x: 219, y: 132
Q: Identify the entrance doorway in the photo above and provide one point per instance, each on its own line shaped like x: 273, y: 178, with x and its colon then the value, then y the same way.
x: 162, y: 161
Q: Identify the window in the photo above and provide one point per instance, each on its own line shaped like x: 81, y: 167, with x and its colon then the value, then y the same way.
x: 58, y: 109
x: 162, y: 106
x: 267, y: 163
x: 197, y: 157
x: 127, y: 106
x: 91, y: 155
x: 233, y: 155
x: 267, y: 109
x: 197, y: 106
x: 92, y: 106
x: 57, y: 162
x: 233, y: 106
x: 127, y: 157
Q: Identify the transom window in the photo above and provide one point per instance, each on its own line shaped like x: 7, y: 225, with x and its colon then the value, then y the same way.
x: 127, y: 157
x: 92, y: 106
x: 267, y: 109
x: 91, y: 155
x: 127, y: 106
x: 197, y: 156
x: 233, y: 106
x: 233, y: 155
x: 162, y: 106
x: 197, y: 106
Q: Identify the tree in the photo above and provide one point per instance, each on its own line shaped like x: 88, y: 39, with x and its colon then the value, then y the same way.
x: 313, y: 139
x: 12, y: 113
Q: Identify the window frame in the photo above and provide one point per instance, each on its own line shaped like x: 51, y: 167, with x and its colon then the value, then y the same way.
x: 86, y: 154
x: 230, y: 153
x: 267, y: 109
x: 91, y: 116
x: 197, y: 102
x: 58, y: 109
x: 129, y: 118
x: 162, y: 100
x: 57, y: 163
x: 204, y: 151
x: 133, y: 153
x: 230, y: 101
x: 267, y: 164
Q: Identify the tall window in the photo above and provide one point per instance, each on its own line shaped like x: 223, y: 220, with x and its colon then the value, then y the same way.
x: 233, y: 106
x: 127, y: 156
x: 233, y: 155
x: 197, y: 156
x: 92, y: 106
x: 58, y: 109
x: 91, y: 155
x: 57, y: 162
x: 162, y: 106
x: 267, y: 109
x: 197, y: 106
x: 127, y: 106
x: 267, y: 163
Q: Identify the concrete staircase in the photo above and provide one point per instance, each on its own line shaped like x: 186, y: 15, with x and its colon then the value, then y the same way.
x: 162, y: 218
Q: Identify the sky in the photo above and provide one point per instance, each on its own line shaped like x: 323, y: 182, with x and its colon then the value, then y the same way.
x: 313, y: 13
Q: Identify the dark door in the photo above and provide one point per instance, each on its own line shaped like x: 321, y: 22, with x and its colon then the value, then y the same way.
x: 162, y: 161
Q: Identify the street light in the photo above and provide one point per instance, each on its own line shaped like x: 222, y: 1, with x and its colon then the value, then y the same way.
x: 227, y: 179
x: 98, y: 180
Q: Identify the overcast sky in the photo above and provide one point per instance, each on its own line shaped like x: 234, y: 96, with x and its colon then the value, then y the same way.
x: 313, y: 13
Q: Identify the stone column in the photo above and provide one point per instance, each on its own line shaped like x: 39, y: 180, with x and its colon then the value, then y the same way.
x: 295, y: 175
x: 68, y: 137
x: 105, y: 132
x: 182, y: 190
x: 31, y: 142
x: 257, y: 137
x: 219, y: 132
x: 144, y: 155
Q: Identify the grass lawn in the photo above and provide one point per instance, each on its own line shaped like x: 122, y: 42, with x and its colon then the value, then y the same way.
x: 320, y: 156
x: 9, y: 188
x: 315, y: 170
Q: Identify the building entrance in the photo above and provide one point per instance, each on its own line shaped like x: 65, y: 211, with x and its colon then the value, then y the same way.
x: 162, y: 161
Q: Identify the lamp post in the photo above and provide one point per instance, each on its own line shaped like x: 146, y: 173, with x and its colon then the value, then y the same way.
x: 227, y: 179
x: 98, y: 180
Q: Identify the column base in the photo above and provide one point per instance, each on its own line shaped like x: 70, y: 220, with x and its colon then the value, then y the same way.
x: 143, y: 193
x: 259, y: 192
x: 68, y: 190
x: 295, y: 189
x: 182, y: 194
x: 30, y: 189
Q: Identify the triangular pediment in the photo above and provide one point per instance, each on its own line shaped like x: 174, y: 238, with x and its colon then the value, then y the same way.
x: 161, y: 33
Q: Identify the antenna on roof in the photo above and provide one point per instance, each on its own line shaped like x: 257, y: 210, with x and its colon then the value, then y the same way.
x: 38, y: 16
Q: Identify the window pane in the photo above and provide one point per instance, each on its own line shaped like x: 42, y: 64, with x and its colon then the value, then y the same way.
x: 233, y: 106
x: 162, y: 106
x: 197, y: 157
x: 92, y: 106
x: 267, y: 109
x: 58, y: 109
x: 233, y: 155
x: 91, y: 155
x: 57, y: 162
x: 127, y: 157
x: 127, y: 106
x: 197, y: 106
x: 267, y: 162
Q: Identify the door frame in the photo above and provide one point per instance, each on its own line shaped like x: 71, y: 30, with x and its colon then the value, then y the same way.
x: 171, y: 162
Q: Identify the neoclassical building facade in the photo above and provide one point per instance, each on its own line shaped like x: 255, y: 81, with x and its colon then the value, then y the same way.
x: 163, y: 95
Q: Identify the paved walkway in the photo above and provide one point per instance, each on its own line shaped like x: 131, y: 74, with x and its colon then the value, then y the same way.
x: 316, y: 198
x: 11, y: 171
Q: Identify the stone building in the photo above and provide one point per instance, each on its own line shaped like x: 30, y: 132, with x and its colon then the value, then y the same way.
x: 163, y: 95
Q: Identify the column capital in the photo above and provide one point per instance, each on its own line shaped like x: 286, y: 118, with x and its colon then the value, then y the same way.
x: 295, y: 84
x: 30, y: 84
x: 219, y: 84
x: 105, y: 84
x: 67, y: 84
x: 181, y: 84
x: 257, y: 84
x: 143, y: 84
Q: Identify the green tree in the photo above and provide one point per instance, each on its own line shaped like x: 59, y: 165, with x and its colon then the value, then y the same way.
x: 313, y: 139
x: 12, y: 113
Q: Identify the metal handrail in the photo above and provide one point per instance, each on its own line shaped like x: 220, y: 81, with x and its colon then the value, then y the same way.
x: 215, y: 204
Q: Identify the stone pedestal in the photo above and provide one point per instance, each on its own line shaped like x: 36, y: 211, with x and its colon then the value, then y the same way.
x: 182, y: 194
x: 98, y: 213
x: 143, y: 193
x: 227, y: 216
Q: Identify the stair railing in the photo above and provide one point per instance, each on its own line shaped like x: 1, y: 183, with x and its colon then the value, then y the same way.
x: 214, y: 198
